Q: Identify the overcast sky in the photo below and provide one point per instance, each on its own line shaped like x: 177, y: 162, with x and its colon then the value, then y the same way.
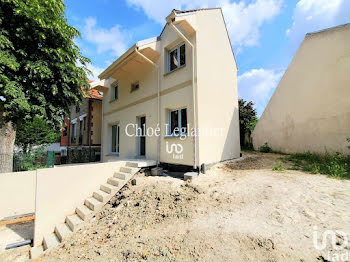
x: 265, y: 34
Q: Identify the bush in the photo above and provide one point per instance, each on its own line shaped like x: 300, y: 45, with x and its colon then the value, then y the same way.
x: 334, y: 165
x: 265, y: 148
x: 278, y: 167
x: 32, y: 160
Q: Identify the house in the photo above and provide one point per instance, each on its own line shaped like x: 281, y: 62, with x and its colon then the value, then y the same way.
x: 310, y: 109
x: 81, y: 133
x: 173, y: 98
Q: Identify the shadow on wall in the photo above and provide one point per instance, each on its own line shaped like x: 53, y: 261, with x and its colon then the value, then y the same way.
x: 24, y: 230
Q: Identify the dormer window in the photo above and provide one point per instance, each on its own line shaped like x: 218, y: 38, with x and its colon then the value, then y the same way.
x: 176, y: 57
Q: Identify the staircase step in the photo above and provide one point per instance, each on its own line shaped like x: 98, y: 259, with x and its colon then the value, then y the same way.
x: 121, y: 175
x: 84, y: 212
x: 93, y: 203
x: 101, y: 195
x: 109, y: 189
x: 36, y: 251
x: 129, y: 170
x: 132, y: 164
x: 74, y: 222
x: 62, y: 231
x: 50, y: 241
x: 114, y: 181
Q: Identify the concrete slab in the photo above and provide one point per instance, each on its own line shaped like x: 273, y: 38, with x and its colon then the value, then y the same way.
x: 190, y: 175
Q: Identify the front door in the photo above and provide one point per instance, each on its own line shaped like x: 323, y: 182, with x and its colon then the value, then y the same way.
x: 142, y: 137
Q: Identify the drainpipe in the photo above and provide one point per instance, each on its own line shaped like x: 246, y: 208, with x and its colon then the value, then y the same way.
x: 195, y: 141
x: 158, y: 97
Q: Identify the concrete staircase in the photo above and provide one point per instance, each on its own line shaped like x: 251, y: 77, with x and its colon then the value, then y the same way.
x: 91, y: 205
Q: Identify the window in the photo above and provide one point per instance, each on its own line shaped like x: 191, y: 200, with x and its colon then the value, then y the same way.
x: 115, y: 139
x: 115, y: 92
x: 176, y: 57
x: 77, y: 108
x: 134, y: 87
x: 178, y: 122
x: 74, y: 132
x: 84, y: 123
x: 74, y: 128
x: 81, y: 132
x: 65, y: 133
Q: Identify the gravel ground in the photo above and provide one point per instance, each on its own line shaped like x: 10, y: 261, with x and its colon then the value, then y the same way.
x: 238, y: 211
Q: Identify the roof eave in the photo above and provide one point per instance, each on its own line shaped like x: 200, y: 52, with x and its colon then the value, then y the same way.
x: 117, y: 62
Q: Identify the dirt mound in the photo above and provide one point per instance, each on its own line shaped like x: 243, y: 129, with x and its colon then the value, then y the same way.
x: 237, y: 211
x: 127, y: 229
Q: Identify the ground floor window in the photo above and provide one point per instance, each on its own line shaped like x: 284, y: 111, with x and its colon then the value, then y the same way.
x: 115, y: 138
x: 178, y: 122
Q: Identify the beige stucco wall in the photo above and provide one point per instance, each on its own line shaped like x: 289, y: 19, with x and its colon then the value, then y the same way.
x: 310, y: 109
x: 215, y: 84
x: 17, y: 193
x: 60, y: 190
x: 96, y: 122
x: 217, y: 90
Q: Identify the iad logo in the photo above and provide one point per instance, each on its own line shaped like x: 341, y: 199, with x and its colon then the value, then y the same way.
x: 332, y: 256
x: 176, y: 150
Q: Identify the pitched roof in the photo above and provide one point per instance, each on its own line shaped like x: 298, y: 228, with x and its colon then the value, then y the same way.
x: 194, y: 10
x: 92, y: 93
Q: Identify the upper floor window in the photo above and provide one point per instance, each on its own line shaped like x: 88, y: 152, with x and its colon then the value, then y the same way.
x: 134, y: 87
x: 176, y: 57
x: 115, y: 92
x: 65, y: 131
x: 77, y: 108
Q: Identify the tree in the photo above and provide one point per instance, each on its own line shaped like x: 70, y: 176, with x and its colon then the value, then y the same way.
x: 247, y: 118
x: 39, y: 72
x: 35, y: 133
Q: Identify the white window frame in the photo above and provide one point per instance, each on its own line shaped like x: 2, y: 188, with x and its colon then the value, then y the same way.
x: 179, y: 122
x: 117, y: 147
x: 178, y: 56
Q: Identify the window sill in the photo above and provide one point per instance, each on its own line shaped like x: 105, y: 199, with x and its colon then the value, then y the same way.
x: 175, y: 70
x: 114, y: 100
x: 176, y: 136
x: 112, y: 154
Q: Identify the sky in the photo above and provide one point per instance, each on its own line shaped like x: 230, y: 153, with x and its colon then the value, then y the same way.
x: 265, y: 34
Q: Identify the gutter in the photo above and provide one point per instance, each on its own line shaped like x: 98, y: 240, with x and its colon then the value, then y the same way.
x: 158, y: 97
x: 194, y: 89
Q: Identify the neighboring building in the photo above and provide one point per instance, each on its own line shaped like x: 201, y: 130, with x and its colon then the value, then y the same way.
x: 310, y: 109
x: 81, y: 133
x: 152, y: 84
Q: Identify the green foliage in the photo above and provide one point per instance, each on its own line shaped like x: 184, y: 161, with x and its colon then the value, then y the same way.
x: 334, y: 165
x: 247, y: 118
x: 265, y: 148
x: 36, y: 132
x: 278, y: 167
x: 38, y: 61
x: 32, y: 160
